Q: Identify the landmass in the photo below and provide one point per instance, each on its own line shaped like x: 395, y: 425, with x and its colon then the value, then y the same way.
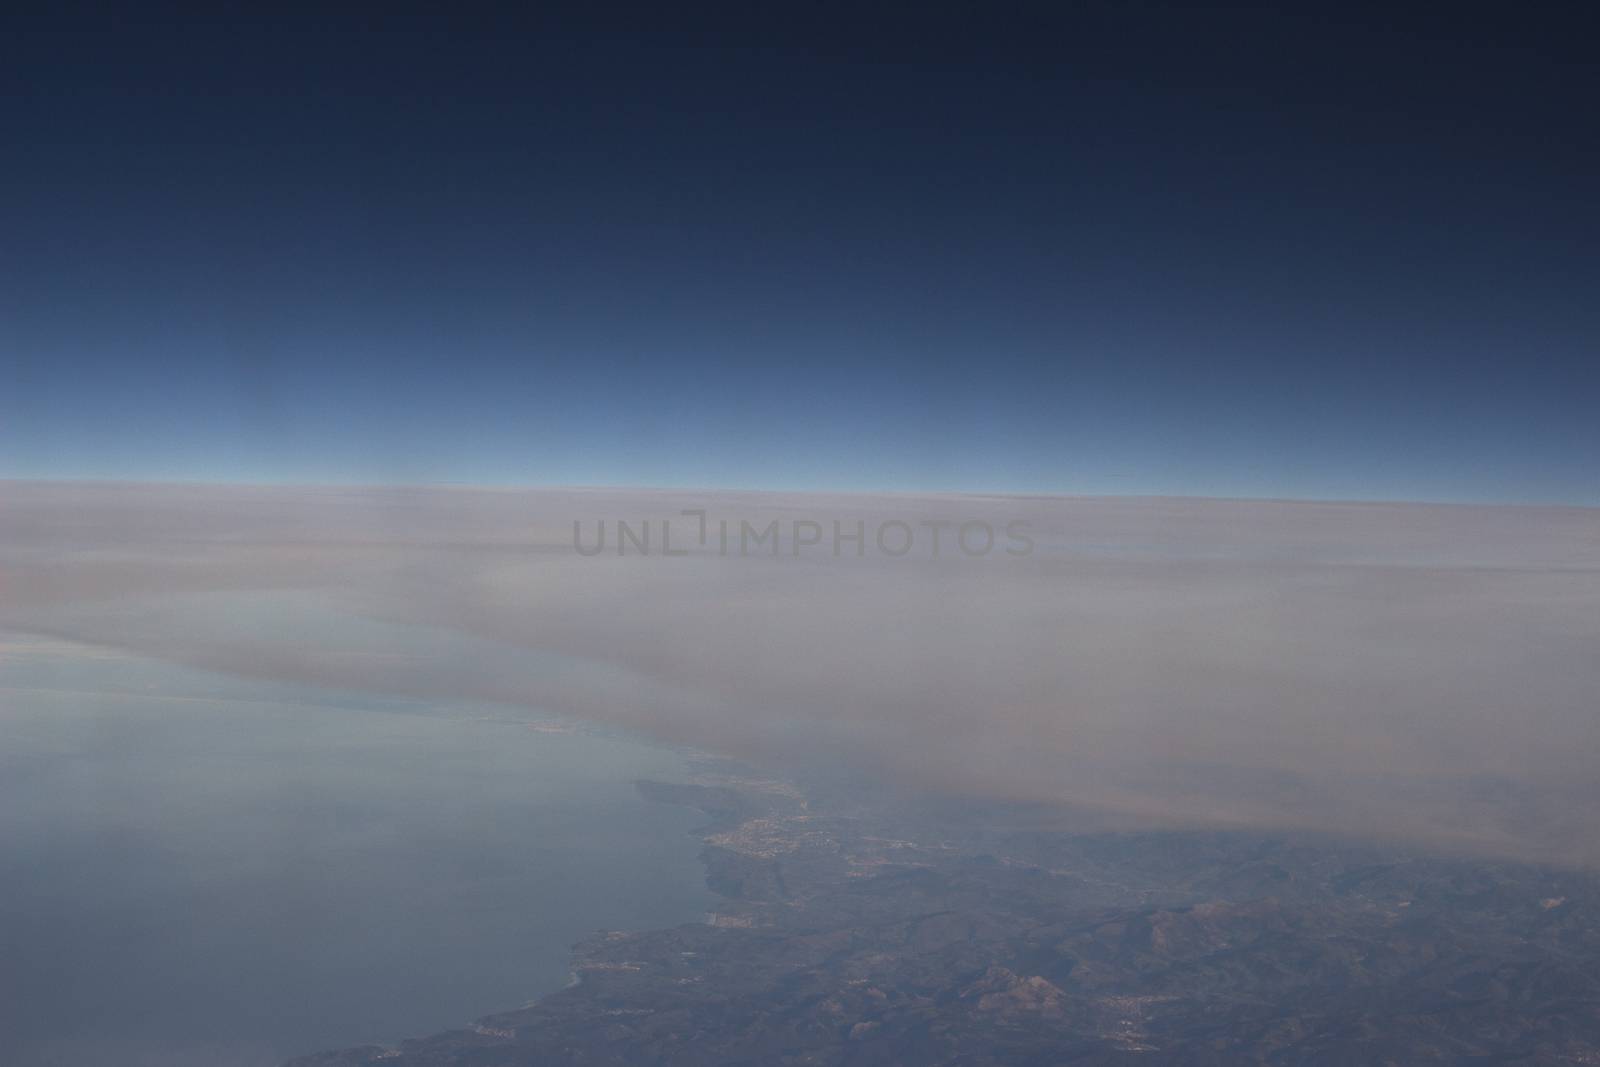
x: 862, y: 930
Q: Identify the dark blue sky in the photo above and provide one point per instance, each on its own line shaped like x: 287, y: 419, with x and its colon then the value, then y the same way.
x: 1077, y: 248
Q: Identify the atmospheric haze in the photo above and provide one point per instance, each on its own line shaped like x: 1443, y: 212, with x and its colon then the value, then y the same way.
x: 1423, y: 672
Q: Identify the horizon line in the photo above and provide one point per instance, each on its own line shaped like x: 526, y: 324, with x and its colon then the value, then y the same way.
x: 514, y: 487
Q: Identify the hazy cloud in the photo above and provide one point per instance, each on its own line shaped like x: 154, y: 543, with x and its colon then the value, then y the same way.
x: 1410, y: 670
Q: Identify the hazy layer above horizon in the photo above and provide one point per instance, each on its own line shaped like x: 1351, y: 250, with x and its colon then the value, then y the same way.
x: 1421, y: 671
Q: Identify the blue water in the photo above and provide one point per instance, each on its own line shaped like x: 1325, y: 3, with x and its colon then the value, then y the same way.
x: 199, y: 870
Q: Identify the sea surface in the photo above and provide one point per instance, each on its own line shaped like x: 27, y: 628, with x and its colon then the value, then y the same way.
x: 198, y: 870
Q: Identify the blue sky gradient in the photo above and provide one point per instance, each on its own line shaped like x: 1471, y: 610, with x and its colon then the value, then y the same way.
x: 1119, y: 250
